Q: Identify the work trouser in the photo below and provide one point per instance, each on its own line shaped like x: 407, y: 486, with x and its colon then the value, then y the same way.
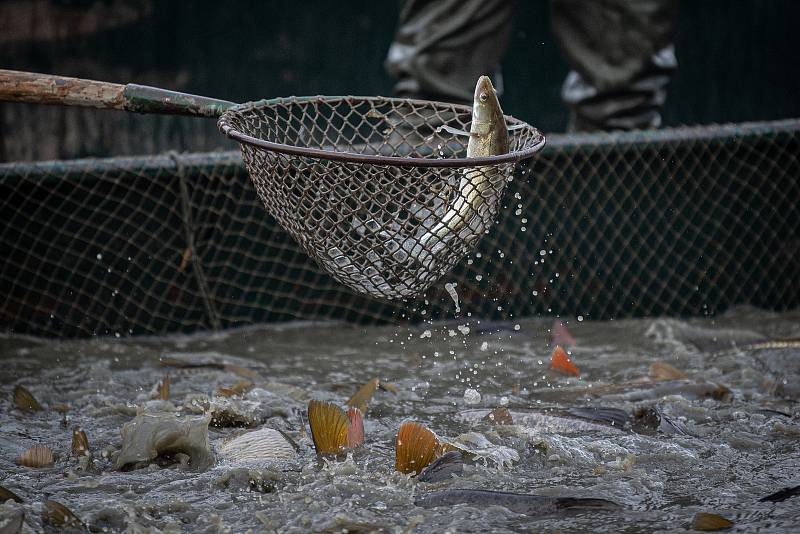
x: 620, y: 54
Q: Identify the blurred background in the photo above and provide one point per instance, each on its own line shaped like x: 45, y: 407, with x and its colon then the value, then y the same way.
x: 737, y: 62
x: 169, y: 237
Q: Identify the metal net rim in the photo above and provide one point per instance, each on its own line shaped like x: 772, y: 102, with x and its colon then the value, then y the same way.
x: 226, y: 127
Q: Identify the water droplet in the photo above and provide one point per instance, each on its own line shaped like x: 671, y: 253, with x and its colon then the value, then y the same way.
x: 450, y: 287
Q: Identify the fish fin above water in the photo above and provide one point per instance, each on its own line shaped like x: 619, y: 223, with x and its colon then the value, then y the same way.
x: 329, y: 425
x: 57, y: 515
x: 8, y: 495
x: 25, y: 401
x: 162, y: 389
x: 364, y: 395
x: 355, y: 431
x: 560, y: 335
x: 36, y: 457
x: 561, y: 362
x: 80, y: 443
x: 416, y: 447
x: 451, y: 130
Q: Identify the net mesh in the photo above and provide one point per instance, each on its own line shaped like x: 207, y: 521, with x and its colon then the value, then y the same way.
x: 381, y: 229
x: 685, y: 221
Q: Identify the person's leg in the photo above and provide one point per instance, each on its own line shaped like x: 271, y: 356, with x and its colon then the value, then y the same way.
x: 441, y: 47
x: 622, y: 58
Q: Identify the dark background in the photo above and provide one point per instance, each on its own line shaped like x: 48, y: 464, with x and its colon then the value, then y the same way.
x: 738, y: 62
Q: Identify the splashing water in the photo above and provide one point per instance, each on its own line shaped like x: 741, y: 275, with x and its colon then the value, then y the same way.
x: 450, y: 287
x: 692, y: 447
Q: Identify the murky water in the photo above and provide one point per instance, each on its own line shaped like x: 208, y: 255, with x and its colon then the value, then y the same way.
x: 704, y: 448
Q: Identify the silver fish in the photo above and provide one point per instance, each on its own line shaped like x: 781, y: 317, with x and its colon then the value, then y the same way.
x: 488, y: 136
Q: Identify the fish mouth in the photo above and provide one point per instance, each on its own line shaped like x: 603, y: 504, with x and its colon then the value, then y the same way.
x: 484, y: 86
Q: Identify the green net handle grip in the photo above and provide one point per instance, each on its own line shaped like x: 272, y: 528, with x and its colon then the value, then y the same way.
x: 34, y: 88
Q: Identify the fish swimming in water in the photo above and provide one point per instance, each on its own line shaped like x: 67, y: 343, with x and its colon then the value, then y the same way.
x: 443, y: 468
x: 756, y: 346
x: 532, y: 505
x: 566, y: 420
x: 488, y: 136
x: 781, y: 495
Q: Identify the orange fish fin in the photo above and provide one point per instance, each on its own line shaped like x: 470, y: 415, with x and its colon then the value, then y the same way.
x: 329, y: 426
x: 364, y: 395
x: 559, y: 361
x: 416, y: 448
x: 163, y: 388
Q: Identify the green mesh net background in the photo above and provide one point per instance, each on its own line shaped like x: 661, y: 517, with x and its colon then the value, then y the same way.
x: 683, y: 221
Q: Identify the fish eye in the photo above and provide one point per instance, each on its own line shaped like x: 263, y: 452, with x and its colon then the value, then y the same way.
x: 483, y: 97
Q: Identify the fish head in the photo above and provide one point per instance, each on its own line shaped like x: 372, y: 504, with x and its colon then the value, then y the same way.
x: 486, y: 106
x: 488, y: 128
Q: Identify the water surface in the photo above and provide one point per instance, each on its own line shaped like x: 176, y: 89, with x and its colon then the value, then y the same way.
x: 729, y: 436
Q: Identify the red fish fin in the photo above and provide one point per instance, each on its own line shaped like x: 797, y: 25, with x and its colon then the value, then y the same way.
x: 560, y: 361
